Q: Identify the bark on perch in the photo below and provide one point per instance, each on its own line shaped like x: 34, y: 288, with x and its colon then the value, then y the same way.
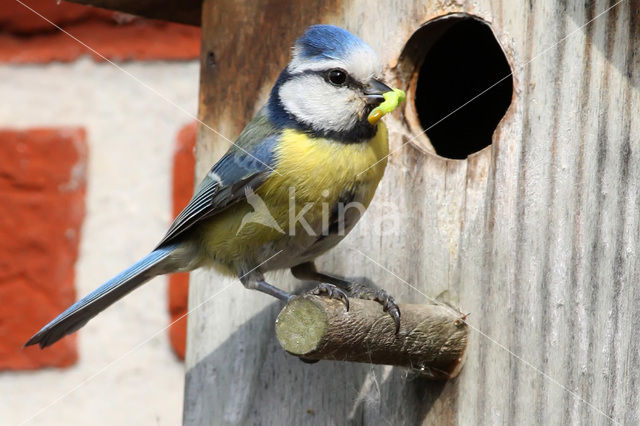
x: 432, y: 338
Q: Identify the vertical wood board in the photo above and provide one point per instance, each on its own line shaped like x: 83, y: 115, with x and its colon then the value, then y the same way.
x: 535, y: 235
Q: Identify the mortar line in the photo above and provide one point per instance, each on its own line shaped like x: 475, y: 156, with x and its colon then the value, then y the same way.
x: 138, y: 346
x: 147, y: 86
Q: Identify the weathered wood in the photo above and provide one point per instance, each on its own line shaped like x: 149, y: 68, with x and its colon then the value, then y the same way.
x: 432, y: 338
x: 180, y: 11
x: 535, y: 235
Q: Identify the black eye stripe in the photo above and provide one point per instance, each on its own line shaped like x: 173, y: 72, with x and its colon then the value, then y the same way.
x: 350, y: 82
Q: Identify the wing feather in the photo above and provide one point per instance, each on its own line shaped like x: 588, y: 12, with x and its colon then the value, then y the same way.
x: 246, y: 165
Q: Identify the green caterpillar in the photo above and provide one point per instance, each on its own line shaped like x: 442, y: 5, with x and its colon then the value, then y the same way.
x: 391, y: 101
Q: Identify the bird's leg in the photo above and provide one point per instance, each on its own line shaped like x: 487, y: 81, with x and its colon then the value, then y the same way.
x: 307, y: 271
x: 271, y: 290
x: 255, y: 281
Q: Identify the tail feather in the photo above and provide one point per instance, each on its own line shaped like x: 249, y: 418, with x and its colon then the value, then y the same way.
x: 78, y: 314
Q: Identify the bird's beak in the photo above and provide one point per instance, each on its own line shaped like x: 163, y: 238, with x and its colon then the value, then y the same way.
x: 373, y: 91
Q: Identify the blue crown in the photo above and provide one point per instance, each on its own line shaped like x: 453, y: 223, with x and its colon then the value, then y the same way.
x: 328, y: 42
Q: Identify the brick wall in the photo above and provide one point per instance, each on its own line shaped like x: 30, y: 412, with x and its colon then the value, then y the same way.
x: 51, y: 181
x: 183, y: 182
x: 28, y: 38
x: 42, y: 189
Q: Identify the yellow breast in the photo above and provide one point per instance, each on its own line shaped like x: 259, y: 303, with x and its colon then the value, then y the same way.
x: 313, y: 172
x: 315, y: 166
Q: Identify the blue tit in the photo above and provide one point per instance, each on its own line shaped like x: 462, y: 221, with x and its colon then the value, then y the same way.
x: 310, y: 146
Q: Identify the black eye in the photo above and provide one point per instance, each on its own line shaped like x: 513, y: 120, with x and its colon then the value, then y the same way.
x: 337, y: 77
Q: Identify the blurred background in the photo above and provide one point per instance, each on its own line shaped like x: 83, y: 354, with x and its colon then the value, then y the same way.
x: 94, y: 160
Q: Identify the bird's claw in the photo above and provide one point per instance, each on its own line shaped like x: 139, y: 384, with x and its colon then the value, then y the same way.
x: 332, y: 292
x: 388, y: 303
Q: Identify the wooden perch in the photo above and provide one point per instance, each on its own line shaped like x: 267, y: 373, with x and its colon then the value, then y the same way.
x: 432, y: 338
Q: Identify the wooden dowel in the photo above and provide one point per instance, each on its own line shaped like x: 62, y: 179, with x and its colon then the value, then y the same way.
x: 432, y: 338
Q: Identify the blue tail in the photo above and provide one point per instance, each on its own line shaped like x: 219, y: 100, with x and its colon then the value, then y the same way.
x: 78, y: 314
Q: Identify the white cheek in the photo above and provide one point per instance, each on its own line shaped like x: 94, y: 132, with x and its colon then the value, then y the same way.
x: 322, y: 106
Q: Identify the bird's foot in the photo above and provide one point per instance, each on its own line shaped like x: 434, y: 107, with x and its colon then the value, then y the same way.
x: 389, y: 305
x: 332, y: 292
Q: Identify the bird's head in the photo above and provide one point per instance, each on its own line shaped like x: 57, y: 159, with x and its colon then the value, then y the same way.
x: 330, y: 86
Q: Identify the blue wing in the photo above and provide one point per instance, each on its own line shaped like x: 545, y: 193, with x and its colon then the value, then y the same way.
x: 246, y: 165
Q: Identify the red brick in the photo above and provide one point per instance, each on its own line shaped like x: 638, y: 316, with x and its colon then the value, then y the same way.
x: 27, y: 38
x: 178, y: 301
x: 42, y: 191
x: 17, y: 19
x: 183, y: 181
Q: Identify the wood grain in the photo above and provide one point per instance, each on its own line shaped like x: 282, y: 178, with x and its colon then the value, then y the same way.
x: 535, y: 236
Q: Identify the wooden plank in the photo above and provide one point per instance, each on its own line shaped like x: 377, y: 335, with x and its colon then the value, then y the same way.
x: 180, y: 11
x: 535, y: 235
